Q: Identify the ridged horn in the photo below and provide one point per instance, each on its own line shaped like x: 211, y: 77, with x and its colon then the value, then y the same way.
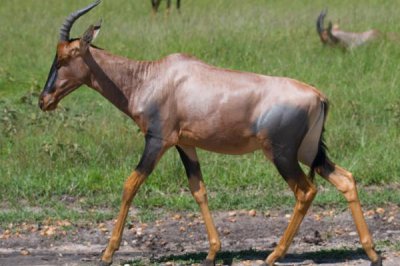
x: 320, y: 21
x: 66, y: 27
x: 330, y: 35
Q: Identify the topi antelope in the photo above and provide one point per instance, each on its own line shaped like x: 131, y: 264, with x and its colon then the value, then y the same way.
x: 156, y: 3
x: 335, y: 37
x: 181, y: 102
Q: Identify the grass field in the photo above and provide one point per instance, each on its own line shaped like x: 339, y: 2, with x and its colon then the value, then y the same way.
x: 71, y: 164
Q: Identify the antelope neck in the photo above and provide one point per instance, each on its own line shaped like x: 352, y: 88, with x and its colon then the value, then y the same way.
x: 117, y: 78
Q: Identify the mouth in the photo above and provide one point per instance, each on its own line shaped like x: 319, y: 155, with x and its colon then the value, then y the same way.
x: 47, y: 102
x: 49, y: 106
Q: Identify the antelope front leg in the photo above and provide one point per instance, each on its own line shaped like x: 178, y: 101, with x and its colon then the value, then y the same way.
x: 198, y: 190
x: 131, y: 187
x: 199, y: 193
x: 153, y: 151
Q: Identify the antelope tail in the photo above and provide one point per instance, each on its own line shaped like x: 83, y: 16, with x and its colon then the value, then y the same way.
x: 321, y: 157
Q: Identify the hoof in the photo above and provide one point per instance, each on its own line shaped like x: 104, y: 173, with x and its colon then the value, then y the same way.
x: 378, y: 262
x: 207, y: 262
x: 104, y: 263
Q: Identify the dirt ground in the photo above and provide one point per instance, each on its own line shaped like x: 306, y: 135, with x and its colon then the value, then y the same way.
x: 325, y: 238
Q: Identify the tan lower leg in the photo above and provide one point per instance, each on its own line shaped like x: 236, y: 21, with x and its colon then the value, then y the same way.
x: 363, y: 232
x: 131, y: 186
x: 304, y: 198
x: 345, y: 183
x: 198, y: 190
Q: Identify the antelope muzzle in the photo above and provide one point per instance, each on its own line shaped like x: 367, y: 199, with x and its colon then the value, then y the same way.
x: 47, y: 102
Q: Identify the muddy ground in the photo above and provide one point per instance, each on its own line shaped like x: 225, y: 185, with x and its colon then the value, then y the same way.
x: 325, y: 238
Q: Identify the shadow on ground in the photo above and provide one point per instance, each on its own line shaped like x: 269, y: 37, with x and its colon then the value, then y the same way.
x: 228, y: 257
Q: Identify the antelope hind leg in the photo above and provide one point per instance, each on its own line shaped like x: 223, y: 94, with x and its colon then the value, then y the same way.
x: 304, y: 191
x: 345, y: 183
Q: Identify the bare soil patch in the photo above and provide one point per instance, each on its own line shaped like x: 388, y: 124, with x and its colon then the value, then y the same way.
x: 325, y: 238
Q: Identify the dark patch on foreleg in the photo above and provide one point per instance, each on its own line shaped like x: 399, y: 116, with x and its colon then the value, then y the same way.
x: 192, y: 168
x: 150, y: 155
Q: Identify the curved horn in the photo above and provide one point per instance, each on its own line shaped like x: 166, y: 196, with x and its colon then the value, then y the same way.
x: 320, y: 21
x: 330, y: 35
x: 66, y: 27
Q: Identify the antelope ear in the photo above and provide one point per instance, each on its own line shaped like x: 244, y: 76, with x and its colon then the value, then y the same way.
x: 89, y: 36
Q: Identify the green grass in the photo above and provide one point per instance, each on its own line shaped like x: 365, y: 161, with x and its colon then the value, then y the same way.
x: 86, y: 148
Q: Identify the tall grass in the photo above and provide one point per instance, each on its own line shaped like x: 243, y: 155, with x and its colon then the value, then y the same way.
x: 83, y: 151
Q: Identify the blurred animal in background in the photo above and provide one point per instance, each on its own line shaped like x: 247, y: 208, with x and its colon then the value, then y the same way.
x: 334, y: 36
x: 156, y: 3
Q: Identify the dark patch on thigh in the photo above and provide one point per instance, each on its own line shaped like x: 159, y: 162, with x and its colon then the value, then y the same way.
x: 192, y: 168
x: 285, y: 127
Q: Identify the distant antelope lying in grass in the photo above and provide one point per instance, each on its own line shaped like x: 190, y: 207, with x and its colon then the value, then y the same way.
x: 335, y: 37
x: 156, y: 3
x: 181, y: 102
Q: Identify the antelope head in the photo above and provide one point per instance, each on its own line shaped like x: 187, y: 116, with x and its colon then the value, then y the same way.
x: 68, y: 70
